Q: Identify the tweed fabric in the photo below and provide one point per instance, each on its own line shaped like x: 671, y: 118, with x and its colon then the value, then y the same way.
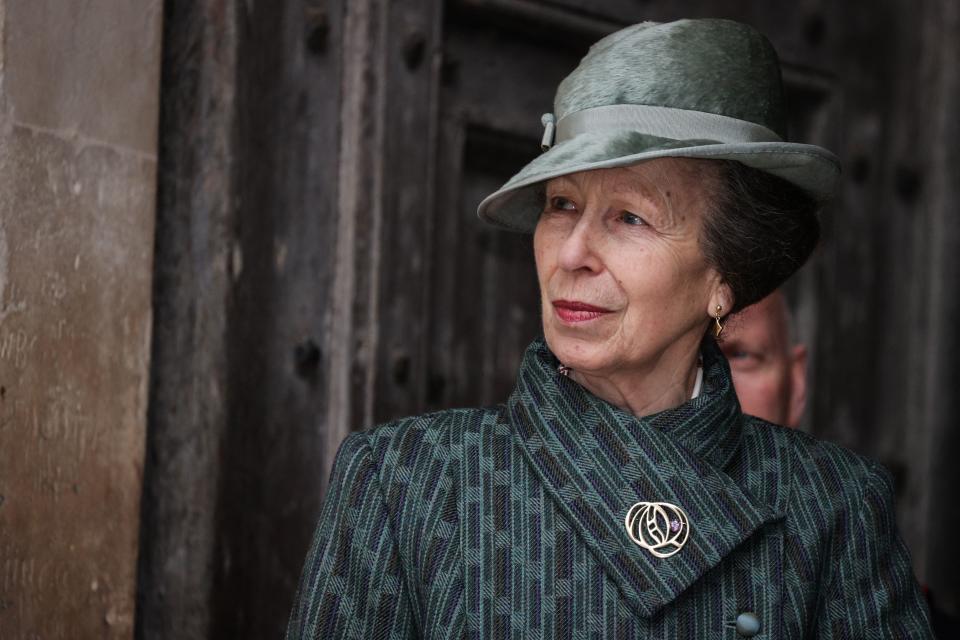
x: 507, y: 522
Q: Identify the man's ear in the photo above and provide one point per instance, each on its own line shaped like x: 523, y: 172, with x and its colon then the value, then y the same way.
x: 798, y: 384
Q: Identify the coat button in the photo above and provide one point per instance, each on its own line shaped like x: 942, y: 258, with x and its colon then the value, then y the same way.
x: 748, y: 624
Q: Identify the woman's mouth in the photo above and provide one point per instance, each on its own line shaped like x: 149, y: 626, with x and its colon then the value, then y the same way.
x: 571, y: 311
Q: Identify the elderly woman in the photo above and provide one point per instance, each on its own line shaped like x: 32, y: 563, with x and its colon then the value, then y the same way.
x: 620, y: 492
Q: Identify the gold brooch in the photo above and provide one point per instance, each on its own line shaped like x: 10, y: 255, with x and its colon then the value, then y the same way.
x: 659, y: 527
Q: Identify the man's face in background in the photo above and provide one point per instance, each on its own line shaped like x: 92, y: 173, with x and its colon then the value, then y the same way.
x: 769, y: 371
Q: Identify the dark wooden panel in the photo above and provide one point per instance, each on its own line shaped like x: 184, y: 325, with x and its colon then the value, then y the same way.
x: 188, y: 373
x: 500, y: 82
x: 245, y: 266
x: 412, y: 48
x: 288, y: 107
x: 804, y: 31
x: 941, y: 53
x: 485, y: 294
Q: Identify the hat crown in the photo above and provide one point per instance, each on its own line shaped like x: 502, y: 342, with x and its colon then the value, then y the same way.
x: 713, y: 66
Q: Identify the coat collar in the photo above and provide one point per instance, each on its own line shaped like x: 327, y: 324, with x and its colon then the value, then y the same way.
x: 596, y: 460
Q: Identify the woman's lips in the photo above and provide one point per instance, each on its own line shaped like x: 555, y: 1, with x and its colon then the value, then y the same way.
x: 571, y: 311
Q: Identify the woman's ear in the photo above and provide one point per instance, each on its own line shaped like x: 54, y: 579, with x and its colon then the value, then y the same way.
x: 722, y: 296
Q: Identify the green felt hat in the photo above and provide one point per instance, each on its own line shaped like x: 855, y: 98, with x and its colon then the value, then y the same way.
x: 689, y: 89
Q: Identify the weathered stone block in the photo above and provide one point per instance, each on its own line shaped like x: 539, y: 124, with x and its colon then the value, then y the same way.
x: 91, y: 67
x: 76, y: 245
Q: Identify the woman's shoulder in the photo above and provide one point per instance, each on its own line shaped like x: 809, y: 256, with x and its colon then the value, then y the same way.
x: 415, y: 464
x: 817, y: 468
x: 419, y: 451
x: 402, y: 440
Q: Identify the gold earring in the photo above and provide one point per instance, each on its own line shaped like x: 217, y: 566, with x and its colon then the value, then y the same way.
x: 718, y: 328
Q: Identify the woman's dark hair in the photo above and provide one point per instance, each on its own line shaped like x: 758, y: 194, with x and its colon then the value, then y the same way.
x: 758, y: 231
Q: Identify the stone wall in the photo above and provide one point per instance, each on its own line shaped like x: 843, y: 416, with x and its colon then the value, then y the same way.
x: 78, y: 112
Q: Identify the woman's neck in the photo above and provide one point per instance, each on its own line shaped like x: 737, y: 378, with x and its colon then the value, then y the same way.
x: 657, y: 386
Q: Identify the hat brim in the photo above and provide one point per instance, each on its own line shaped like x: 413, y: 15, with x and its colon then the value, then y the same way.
x: 518, y: 203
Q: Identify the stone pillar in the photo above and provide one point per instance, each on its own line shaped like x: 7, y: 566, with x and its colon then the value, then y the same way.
x: 78, y: 137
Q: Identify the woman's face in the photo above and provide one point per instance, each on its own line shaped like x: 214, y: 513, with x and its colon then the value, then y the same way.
x: 623, y: 282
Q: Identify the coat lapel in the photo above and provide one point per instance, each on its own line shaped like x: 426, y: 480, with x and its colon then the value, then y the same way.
x: 596, y: 461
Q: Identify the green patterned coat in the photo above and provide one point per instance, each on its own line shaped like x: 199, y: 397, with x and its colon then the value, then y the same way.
x: 508, y: 522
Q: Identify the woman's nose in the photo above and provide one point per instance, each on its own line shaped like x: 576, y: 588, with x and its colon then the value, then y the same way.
x: 579, y: 248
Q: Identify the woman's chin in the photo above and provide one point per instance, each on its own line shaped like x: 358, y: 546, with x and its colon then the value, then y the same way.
x: 583, y: 353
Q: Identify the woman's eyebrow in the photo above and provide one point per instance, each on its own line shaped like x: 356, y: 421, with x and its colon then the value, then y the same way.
x: 562, y: 181
x: 632, y: 186
x: 641, y: 188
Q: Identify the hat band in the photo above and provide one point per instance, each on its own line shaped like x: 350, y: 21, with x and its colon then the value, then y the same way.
x: 663, y: 122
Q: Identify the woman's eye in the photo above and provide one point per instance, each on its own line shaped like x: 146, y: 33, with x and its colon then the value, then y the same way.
x: 632, y: 219
x: 560, y: 203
